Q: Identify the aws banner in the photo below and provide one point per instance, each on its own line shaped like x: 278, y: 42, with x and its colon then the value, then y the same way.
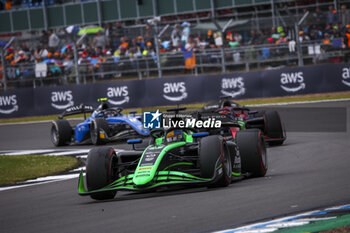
x: 178, y: 91
x: 306, y: 80
x: 56, y: 100
x: 17, y: 103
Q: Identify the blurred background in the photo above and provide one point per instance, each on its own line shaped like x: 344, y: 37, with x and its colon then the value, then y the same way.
x: 59, y: 42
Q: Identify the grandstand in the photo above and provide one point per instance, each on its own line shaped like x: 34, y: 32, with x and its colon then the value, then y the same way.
x: 50, y: 42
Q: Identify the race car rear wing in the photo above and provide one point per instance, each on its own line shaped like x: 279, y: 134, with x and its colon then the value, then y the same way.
x: 226, y: 121
x: 77, y: 110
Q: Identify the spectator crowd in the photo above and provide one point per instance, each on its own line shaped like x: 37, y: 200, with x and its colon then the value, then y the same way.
x: 12, y: 4
x: 103, y: 51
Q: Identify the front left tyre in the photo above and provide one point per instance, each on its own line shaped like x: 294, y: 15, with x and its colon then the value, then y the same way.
x: 99, y: 172
x: 61, y: 132
x: 252, y: 149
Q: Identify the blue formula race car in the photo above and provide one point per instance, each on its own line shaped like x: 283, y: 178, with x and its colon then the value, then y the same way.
x: 105, y: 124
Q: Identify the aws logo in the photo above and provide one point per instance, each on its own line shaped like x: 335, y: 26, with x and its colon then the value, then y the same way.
x: 175, y: 91
x: 8, y: 104
x: 346, y: 76
x: 118, y: 95
x: 62, y: 99
x: 292, y: 82
x: 232, y: 87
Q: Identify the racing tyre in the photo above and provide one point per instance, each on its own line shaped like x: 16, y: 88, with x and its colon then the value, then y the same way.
x: 252, y: 149
x: 97, y: 127
x: 273, y: 128
x: 61, y: 132
x: 213, y: 155
x: 98, y: 172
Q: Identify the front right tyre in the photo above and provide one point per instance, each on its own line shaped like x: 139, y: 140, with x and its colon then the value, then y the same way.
x: 273, y: 128
x: 214, y: 159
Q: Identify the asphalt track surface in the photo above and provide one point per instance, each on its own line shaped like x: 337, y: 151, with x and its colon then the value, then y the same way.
x: 310, y: 171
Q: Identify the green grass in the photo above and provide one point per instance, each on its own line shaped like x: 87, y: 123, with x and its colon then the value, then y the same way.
x: 272, y: 100
x: 24, y: 167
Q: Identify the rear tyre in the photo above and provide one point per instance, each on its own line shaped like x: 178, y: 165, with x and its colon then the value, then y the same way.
x: 274, y: 128
x: 61, y: 132
x: 213, y: 155
x: 98, y: 131
x: 99, y: 172
x: 252, y: 149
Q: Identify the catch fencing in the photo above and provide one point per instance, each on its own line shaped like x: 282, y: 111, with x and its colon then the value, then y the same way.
x: 55, y: 72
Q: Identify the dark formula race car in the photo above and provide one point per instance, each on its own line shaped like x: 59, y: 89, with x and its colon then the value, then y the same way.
x: 104, y: 125
x: 269, y: 122
x: 175, y: 157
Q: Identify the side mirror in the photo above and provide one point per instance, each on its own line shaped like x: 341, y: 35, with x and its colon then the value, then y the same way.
x: 134, y: 141
x: 198, y: 135
x: 252, y: 112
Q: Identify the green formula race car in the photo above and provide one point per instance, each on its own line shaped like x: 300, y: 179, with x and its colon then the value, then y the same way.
x: 176, y: 156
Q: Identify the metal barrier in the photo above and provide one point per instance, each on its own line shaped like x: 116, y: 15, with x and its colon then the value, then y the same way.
x: 242, y: 58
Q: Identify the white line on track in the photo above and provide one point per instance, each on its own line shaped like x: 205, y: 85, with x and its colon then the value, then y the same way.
x: 41, y: 180
x: 78, y: 169
x: 77, y: 152
x: 46, y: 179
x: 58, y: 177
x: 48, y: 152
x: 265, y: 230
x: 36, y: 122
x: 280, y: 223
x: 338, y: 207
x: 25, y: 123
x: 81, y: 154
x: 25, y: 152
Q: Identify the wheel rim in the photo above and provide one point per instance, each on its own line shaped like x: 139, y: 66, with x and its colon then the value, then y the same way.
x: 227, y: 163
x: 93, y: 133
x: 263, y: 153
x: 54, y: 135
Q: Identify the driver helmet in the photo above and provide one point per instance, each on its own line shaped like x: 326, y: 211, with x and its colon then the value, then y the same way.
x: 226, y: 104
x: 174, y: 135
x: 103, y: 106
x: 229, y: 103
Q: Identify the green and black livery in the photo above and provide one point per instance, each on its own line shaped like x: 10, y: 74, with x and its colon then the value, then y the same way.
x: 177, y: 156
